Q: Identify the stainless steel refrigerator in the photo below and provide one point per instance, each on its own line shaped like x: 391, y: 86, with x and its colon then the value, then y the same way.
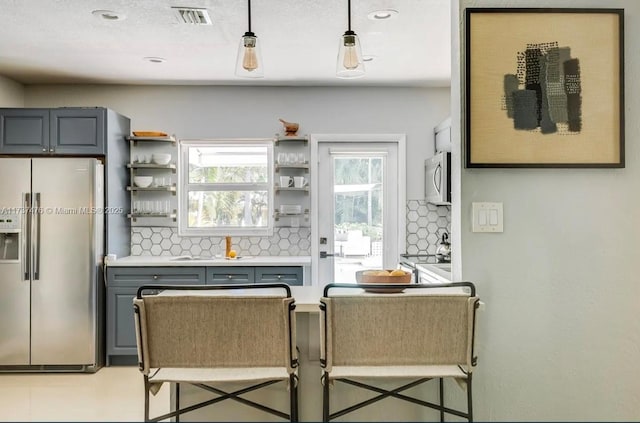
x: 51, y: 248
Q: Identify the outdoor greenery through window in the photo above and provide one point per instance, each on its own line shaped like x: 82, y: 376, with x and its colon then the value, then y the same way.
x: 226, y: 187
x: 358, y: 214
x: 358, y: 195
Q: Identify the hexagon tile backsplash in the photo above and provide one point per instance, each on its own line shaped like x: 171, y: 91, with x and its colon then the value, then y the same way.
x: 167, y: 242
x: 425, y: 225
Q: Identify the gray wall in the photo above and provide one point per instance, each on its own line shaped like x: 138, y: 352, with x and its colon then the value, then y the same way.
x: 191, y: 112
x: 560, y: 337
x: 11, y: 93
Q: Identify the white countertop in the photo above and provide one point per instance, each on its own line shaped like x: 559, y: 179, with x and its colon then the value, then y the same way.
x: 176, y: 261
x: 441, y: 273
x: 308, y: 297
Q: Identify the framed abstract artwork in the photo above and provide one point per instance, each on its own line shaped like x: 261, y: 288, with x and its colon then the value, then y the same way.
x: 544, y: 87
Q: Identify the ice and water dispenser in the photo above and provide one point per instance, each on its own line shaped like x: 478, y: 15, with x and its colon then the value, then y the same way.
x: 9, y: 237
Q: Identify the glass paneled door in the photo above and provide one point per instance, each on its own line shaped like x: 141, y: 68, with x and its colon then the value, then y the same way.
x: 358, y: 197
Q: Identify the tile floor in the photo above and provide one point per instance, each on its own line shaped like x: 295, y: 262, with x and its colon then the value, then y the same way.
x: 111, y: 394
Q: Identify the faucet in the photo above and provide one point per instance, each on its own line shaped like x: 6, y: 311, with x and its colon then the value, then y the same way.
x: 227, y: 246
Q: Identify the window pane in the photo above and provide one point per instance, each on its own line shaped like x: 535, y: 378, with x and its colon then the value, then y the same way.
x: 228, y: 164
x: 223, y: 209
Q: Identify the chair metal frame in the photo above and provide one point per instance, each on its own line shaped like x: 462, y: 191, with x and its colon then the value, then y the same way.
x: 223, y: 395
x: 396, y: 393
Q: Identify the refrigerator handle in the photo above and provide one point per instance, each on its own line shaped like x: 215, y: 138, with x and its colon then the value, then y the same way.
x: 35, y: 241
x: 26, y: 235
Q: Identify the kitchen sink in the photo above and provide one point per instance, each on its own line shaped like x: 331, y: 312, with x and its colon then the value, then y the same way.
x: 190, y: 258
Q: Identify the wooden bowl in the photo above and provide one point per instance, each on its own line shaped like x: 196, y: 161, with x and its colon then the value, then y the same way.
x: 372, y: 279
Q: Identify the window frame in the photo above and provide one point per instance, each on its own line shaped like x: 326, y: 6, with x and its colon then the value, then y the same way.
x: 185, y: 187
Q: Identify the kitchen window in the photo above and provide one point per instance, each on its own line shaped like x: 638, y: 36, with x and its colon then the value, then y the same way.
x: 226, y: 187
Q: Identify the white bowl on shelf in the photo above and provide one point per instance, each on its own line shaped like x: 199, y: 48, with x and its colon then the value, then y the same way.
x: 161, y: 159
x: 142, y: 181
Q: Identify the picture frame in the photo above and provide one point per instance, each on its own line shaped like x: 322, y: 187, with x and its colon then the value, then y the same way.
x: 544, y: 88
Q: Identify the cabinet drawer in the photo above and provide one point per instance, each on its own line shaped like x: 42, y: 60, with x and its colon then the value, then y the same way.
x: 291, y: 275
x: 137, y: 276
x: 231, y: 274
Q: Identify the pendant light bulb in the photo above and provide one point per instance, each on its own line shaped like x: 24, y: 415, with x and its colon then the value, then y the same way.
x: 350, y: 63
x: 249, y: 59
x: 350, y: 60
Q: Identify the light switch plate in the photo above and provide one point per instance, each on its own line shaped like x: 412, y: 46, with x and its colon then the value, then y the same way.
x: 486, y: 217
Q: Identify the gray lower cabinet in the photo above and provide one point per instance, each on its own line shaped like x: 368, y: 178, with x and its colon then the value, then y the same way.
x: 220, y: 275
x: 122, y: 286
x: 68, y: 130
x: 291, y: 275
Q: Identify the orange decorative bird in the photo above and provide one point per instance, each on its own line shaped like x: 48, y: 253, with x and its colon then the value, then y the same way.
x: 290, y: 128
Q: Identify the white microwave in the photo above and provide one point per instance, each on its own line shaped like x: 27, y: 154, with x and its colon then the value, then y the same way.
x: 437, y: 183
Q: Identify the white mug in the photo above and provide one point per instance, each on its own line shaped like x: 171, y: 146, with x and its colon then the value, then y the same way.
x: 299, y: 181
x: 286, y: 181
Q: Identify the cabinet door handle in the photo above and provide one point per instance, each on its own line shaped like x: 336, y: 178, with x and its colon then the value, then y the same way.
x: 155, y: 277
x: 279, y: 276
x: 229, y: 276
x: 44, y: 150
x: 51, y: 149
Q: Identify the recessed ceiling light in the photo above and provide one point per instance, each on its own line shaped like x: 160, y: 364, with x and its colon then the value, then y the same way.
x: 109, y: 15
x: 155, y: 59
x: 381, y: 15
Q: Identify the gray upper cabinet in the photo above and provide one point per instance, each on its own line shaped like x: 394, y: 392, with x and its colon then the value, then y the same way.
x: 78, y: 131
x: 24, y: 131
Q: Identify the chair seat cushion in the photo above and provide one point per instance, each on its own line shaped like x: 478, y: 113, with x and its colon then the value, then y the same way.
x: 338, y: 372
x: 231, y: 374
x: 199, y: 375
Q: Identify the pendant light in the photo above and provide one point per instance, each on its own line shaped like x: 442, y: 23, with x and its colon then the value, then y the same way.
x: 249, y: 61
x: 350, y: 64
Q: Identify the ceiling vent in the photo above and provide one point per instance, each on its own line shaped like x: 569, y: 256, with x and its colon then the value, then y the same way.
x: 192, y: 15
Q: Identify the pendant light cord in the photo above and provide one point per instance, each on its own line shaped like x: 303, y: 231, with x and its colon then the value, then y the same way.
x: 249, y: 2
x: 349, y: 13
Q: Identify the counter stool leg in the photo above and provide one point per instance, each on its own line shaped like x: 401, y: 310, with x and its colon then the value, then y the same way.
x: 469, y: 398
x: 325, y: 396
x: 177, y: 401
x: 146, y: 398
x: 441, y: 400
x: 293, y: 397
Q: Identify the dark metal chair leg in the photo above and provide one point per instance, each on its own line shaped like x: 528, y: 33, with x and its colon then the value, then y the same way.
x: 325, y: 397
x: 177, y: 401
x: 469, y: 398
x: 441, y: 399
x: 146, y: 398
x: 293, y: 397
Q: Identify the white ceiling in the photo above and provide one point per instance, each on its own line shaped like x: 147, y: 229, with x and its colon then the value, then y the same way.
x: 60, y: 41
